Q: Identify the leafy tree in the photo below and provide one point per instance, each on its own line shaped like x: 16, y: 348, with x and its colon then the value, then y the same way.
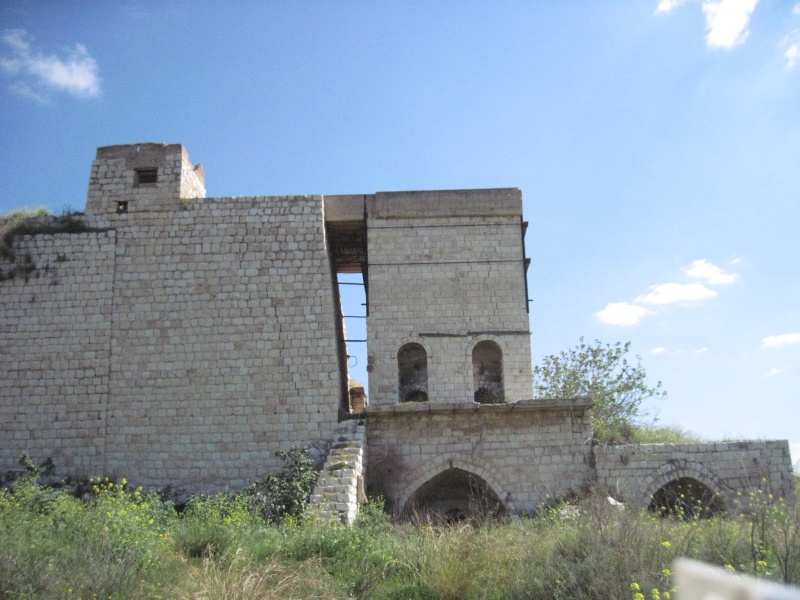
x: 603, y: 373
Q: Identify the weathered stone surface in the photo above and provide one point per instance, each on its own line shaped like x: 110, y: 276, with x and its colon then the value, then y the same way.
x: 185, y: 339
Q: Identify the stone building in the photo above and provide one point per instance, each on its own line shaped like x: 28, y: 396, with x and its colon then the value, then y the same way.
x: 180, y: 341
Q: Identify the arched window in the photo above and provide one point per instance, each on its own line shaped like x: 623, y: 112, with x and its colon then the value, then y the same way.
x: 412, y: 364
x: 487, y: 373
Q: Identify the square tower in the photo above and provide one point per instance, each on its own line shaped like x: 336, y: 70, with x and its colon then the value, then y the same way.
x: 141, y: 178
x: 448, y: 306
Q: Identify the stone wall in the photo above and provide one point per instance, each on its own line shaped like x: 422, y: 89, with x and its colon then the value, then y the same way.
x: 525, y: 452
x: 182, y: 346
x: 55, y: 349
x: 447, y: 271
x: 633, y: 473
x: 224, y: 339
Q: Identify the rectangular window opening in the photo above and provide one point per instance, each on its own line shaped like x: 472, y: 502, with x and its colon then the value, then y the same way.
x: 354, y: 308
x: 146, y: 177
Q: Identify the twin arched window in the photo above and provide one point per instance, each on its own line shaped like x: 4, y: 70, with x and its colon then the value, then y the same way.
x: 487, y: 373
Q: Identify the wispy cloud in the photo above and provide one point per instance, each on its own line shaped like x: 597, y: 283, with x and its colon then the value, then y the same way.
x: 792, y: 53
x: 621, y: 313
x: 75, y: 73
x: 665, y: 6
x: 784, y: 339
x: 727, y: 22
x: 627, y: 314
x: 709, y: 272
x: 671, y: 293
x: 701, y: 350
x: 657, y: 350
x: 773, y: 372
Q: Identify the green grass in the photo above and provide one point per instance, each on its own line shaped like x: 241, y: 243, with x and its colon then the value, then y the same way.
x: 123, y: 543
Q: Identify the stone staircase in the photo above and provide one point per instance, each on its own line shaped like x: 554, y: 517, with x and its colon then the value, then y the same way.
x: 340, y: 488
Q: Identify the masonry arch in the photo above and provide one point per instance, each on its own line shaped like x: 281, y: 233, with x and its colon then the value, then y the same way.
x: 429, y: 471
x: 487, y: 371
x: 686, y: 498
x: 412, y: 371
x: 454, y: 495
x: 685, y: 488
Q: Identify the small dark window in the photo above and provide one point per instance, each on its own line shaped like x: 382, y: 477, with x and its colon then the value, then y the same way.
x: 122, y: 207
x: 146, y: 177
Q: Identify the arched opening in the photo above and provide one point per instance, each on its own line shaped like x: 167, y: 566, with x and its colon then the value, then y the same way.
x: 453, y: 496
x: 487, y: 373
x: 686, y: 498
x: 412, y: 364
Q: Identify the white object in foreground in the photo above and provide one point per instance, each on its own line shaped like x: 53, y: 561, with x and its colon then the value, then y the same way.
x: 699, y: 581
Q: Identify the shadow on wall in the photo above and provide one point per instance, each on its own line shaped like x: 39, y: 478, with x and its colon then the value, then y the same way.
x: 453, y: 496
x: 686, y: 498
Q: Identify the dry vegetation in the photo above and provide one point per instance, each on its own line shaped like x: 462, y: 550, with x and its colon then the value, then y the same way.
x: 119, y: 542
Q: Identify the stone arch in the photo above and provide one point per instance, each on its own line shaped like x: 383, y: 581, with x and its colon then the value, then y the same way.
x: 686, y: 498
x: 486, y: 357
x: 412, y: 482
x: 412, y: 372
x: 676, y: 470
x: 454, y: 495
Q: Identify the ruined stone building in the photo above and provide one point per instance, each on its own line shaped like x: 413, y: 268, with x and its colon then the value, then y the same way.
x: 180, y: 341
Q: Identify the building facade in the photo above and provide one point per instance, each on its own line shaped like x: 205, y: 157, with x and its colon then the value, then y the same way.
x: 180, y: 341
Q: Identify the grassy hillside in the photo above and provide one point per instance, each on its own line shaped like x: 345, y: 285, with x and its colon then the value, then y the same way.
x: 118, y: 542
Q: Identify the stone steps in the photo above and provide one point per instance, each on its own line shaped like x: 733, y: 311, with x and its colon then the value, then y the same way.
x: 340, y: 488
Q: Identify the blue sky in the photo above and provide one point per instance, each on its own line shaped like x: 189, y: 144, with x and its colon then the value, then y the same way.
x: 656, y: 145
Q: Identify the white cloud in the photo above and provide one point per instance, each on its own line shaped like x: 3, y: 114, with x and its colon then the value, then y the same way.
x: 792, y: 54
x: 773, y: 372
x: 77, y: 73
x: 727, y: 21
x: 701, y: 350
x: 796, y: 9
x: 657, y: 350
x: 711, y: 273
x: 670, y: 293
x: 776, y: 341
x: 668, y: 5
x: 621, y: 313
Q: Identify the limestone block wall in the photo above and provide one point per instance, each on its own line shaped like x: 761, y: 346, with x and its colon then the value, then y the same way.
x: 635, y: 472
x: 55, y: 348
x: 184, y: 344
x: 224, y: 342
x: 446, y: 271
x: 525, y: 452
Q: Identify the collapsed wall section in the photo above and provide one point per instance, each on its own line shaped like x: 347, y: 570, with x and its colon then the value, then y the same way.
x: 446, y: 272
x: 55, y: 349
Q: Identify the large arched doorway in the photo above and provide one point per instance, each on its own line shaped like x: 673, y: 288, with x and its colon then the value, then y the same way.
x: 487, y: 373
x: 412, y: 366
x: 686, y: 498
x: 454, y: 495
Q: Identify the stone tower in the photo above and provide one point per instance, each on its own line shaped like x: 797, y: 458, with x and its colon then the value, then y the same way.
x: 142, y: 177
x: 448, y: 303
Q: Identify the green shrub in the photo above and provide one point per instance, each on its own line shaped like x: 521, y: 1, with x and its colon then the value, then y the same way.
x: 285, y: 494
